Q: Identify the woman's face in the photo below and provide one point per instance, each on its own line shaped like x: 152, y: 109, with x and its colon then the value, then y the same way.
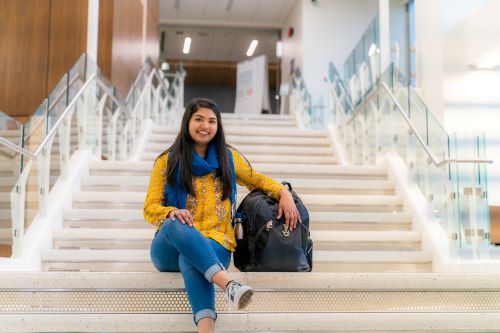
x: 203, y: 126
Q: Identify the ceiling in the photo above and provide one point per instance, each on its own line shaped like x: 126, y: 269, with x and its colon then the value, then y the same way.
x: 221, y: 32
x: 241, y: 13
x: 214, y: 44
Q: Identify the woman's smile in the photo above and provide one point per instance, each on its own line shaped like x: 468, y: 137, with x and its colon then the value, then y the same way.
x: 203, y: 126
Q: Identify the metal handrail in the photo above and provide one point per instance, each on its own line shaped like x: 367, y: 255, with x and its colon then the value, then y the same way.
x: 161, y: 81
x: 115, y: 99
x: 341, y: 85
x: 431, y: 155
x: 426, y: 148
x: 52, y: 132
x: 361, y: 106
x: 61, y: 94
x: 137, y: 79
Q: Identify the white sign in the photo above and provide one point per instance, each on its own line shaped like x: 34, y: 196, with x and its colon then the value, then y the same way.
x: 252, y: 86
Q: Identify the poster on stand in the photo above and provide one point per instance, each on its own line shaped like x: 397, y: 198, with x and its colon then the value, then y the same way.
x: 252, y: 86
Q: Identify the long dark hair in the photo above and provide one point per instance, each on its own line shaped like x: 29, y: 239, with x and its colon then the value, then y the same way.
x: 181, y: 151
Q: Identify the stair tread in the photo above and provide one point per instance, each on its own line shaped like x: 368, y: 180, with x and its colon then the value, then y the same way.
x: 278, y: 280
x: 296, y: 182
x: 365, y: 236
x: 319, y: 256
x: 308, y: 199
x: 331, y: 169
x: 136, y: 214
x: 147, y: 234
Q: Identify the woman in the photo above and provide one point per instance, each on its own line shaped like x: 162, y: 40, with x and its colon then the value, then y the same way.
x: 191, y: 200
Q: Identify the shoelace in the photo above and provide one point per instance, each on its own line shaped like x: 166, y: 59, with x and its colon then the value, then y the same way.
x: 231, y: 290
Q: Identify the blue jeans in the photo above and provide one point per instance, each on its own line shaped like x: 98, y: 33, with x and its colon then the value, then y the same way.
x: 179, y: 247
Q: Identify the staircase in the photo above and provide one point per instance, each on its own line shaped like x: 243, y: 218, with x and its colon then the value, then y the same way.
x: 358, y: 222
x: 370, y: 272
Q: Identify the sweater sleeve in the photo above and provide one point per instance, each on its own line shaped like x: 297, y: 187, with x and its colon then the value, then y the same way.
x: 252, y: 179
x: 154, y: 212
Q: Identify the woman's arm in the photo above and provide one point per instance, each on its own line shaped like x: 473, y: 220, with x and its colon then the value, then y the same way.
x: 252, y: 179
x: 154, y: 212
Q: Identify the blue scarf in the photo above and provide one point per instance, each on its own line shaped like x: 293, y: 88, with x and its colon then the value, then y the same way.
x: 176, y: 196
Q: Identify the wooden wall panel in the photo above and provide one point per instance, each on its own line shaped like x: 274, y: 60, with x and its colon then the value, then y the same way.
x: 68, y: 37
x: 104, y: 49
x: 153, y: 31
x: 24, y: 32
x: 495, y: 224
x: 127, y: 44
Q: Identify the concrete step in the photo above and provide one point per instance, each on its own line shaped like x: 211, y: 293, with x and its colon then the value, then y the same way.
x: 154, y: 149
x: 133, y: 218
x: 269, y: 123
x: 244, y: 130
x: 336, y: 302
x: 270, y: 158
x: 313, y: 202
x: 323, y: 261
x: 243, y: 117
x: 296, y: 140
x: 366, y: 240
x: 71, y: 238
x: 300, y: 185
x: 281, y: 170
x: 105, y: 218
x: 357, y: 220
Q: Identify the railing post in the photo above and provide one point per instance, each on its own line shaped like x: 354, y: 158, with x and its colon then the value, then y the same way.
x: 18, y: 210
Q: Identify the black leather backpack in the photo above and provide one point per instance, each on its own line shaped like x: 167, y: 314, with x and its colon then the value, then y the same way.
x: 266, y: 246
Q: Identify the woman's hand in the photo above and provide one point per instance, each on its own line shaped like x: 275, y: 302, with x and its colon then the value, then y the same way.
x: 182, y: 215
x: 287, y: 206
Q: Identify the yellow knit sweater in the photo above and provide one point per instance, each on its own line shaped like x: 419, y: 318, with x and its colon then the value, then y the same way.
x: 212, y: 215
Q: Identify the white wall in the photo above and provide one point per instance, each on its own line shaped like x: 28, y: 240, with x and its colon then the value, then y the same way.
x: 472, y: 97
x: 293, y: 46
x: 456, y: 11
x: 399, y: 33
x: 429, y: 41
x: 331, y: 29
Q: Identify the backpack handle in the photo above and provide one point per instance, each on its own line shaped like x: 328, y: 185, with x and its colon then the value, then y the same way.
x: 287, y: 184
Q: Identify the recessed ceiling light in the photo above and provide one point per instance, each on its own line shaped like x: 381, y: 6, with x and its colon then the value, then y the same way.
x: 279, y: 49
x: 251, y: 48
x: 187, y: 45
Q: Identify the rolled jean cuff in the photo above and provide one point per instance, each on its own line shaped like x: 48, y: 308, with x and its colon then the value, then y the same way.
x: 205, y: 313
x: 212, y: 270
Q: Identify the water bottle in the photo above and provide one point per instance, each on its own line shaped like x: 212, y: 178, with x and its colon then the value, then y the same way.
x: 238, y: 229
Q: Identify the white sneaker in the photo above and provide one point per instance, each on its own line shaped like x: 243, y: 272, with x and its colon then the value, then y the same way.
x: 238, y: 296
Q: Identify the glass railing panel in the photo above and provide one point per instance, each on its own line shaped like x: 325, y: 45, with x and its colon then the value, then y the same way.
x: 370, y: 120
x: 456, y: 193
x: 32, y: 197
x: 483, y: 212
x: 26, y: 184
x: 57, y: 101
x: 77, y: 77
x: 92, y: 110
x: 35, y: 129
x: 386, y: 124
x: 11, y: 130
x: 121, y: 138
x: 362, y: 50
x: 473, y: 232
x: 13, y: 215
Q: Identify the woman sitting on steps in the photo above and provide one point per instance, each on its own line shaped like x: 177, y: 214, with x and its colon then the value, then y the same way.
x: 191, y: 200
